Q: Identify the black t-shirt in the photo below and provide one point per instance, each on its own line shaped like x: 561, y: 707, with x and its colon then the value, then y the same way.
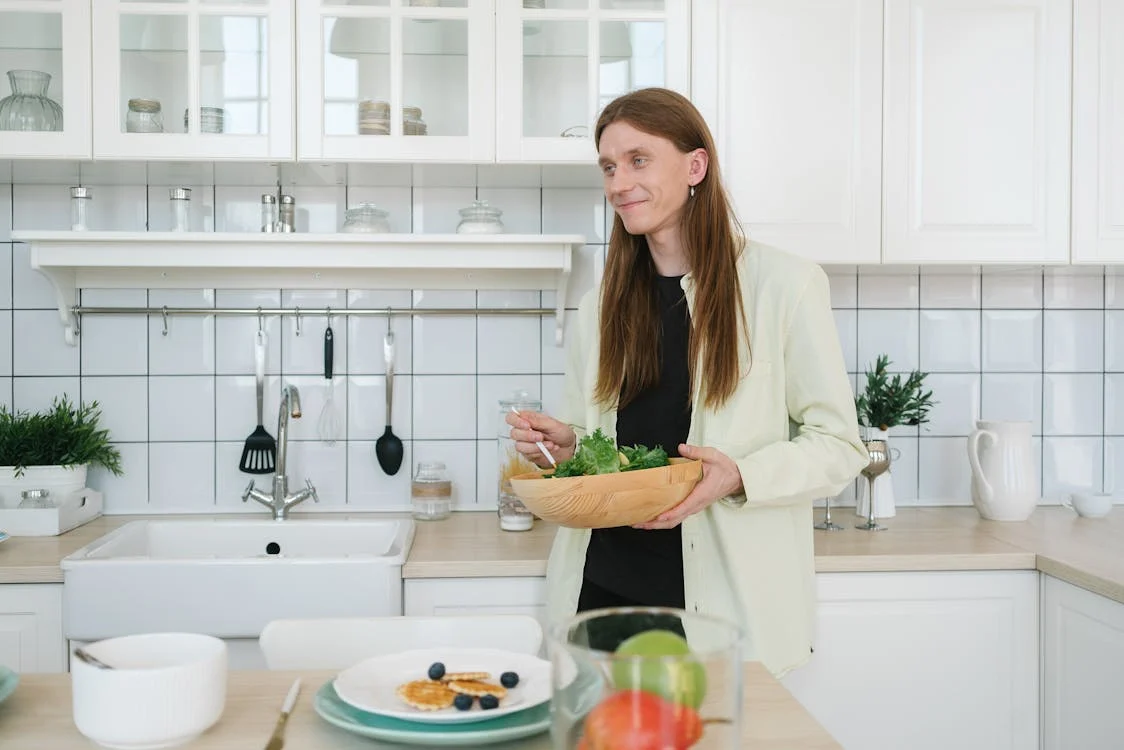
x: 641, y: 565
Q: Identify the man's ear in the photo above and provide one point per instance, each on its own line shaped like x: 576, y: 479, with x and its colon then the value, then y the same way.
x: 697, y: 166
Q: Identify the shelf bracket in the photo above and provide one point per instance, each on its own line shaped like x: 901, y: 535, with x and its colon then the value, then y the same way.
x: 560, y: 297
x: 63, y: 281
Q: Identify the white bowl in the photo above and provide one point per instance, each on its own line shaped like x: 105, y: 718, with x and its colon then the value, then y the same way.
x: 165, y: 690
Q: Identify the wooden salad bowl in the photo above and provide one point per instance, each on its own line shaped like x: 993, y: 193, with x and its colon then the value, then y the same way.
x: 606, y: 500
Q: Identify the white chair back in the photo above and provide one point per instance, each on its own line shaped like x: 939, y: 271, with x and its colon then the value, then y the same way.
x: 338, y: 643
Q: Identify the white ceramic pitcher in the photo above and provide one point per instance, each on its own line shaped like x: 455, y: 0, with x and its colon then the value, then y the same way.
x: 1004, y: 479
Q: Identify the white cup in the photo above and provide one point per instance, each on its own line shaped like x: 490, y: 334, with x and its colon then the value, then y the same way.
x: 1089, y: 504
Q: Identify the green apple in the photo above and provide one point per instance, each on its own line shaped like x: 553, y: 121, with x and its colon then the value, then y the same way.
x: 679, y: 680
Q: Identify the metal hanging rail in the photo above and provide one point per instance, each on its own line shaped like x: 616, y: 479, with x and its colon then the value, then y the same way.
x: 299, y: 312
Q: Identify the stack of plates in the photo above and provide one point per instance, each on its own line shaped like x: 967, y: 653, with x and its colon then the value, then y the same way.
x: 211, y: 120
x: 363, y: 699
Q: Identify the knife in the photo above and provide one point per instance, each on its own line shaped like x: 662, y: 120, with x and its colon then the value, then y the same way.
x: 277, y: 740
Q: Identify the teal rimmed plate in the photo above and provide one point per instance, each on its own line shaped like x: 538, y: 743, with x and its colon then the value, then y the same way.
x: 8, y: 682
x: 511, y: 727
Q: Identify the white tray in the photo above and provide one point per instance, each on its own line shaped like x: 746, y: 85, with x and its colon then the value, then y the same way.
x: 74, y: 510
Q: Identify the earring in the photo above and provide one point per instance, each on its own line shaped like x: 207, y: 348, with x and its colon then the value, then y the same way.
x: 692, y: 191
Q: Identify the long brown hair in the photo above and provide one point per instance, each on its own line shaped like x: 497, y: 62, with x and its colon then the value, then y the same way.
x: 630, y: 324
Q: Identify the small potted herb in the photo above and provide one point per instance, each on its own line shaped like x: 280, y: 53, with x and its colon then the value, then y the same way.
x: 52, y: 449
x: 889, y: 401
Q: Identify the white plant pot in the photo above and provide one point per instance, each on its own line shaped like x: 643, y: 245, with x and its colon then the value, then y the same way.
x: 58, y: 480
x: 884, y: 505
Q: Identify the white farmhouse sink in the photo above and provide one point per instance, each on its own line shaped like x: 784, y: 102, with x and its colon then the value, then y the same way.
x: 229, y: 578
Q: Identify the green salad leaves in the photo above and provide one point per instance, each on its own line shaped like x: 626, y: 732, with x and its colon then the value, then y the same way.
x: 598, y: 454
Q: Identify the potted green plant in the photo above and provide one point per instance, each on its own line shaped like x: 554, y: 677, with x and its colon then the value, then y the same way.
x: 52, y: 449
x: 889, y: 401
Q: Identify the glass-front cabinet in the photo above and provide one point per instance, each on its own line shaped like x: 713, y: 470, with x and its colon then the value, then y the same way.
x: 396, y: 80
x: 45, y: 78
x: 560, y: 62
x: 191, y: 79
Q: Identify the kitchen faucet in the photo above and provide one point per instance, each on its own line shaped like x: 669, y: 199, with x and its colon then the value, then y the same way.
x: 282, y: 501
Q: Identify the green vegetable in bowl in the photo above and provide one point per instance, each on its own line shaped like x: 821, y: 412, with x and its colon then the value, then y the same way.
x: 598, y: 454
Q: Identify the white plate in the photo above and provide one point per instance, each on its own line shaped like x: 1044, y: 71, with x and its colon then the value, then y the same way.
x: 371, y: 685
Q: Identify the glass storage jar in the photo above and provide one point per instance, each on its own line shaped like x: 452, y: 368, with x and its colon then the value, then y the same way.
x: 366, y: 217
x: 144, y: 116
x: 80, y: 198
x: 412, y: 123
x: 374, y: 117
x: 268, y: 212
x: 480, y: 218
x: 180, y: 199
x: 513, y: 514
x: 431, y: 492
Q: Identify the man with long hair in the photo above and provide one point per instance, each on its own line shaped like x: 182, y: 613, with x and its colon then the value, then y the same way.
x: 717, y: 349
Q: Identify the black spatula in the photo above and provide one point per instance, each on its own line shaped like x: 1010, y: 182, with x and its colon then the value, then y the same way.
x: 260, y: 450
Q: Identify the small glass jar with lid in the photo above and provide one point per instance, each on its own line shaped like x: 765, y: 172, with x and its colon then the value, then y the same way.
x: 80, y: 198
x: 180, y: 200
x: 513, y: 514
x: 374, y: 117
x: 144, y: 116
x: 36, y: 499
x: 480, y: 218
x: 412, y: 123
x: 366, y: 217
x: 431, y: 492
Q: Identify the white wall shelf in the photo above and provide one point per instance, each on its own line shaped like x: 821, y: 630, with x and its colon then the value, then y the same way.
x: 159, y: 260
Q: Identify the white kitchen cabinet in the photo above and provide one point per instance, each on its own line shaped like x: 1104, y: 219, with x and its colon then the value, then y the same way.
x: 925, y: 661
x: 1098, y: 132
x: 208, y: 80
x: 1082, y: 668
x: 396, y: 82
x: 31, y: 637
x: 793, y: 92
x: 976, y: 148
x: 45, y: 49
x: 559, y: 62
x: 475, y: 596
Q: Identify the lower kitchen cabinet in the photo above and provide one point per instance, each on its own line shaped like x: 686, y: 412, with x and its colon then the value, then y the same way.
x: 926, y: 661
x: 31, y: 627
x: 1082, y: 668
x: 476, y: 596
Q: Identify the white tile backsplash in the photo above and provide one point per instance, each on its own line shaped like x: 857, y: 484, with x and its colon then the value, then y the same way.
x: 1045, y: 345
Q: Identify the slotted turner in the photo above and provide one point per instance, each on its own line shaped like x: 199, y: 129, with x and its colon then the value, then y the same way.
x: 260, y: 450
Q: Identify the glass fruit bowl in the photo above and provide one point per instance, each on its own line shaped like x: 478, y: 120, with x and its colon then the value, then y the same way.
x: 646, y: 679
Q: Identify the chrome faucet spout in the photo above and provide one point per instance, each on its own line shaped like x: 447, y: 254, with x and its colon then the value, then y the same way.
x: 282, y: 501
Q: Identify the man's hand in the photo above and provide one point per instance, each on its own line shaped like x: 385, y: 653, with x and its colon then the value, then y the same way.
x: 720, y: 478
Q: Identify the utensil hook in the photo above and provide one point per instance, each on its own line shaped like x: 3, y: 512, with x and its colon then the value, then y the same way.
x: 388, y: 320
x: 261, y: 323
x: 297, y: 312
x: 164, y: 316
x: 328, y: 314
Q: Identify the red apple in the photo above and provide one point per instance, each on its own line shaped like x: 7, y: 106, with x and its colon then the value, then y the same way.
x: 638, y: 720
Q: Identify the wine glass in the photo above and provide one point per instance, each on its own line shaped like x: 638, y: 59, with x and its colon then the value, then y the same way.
x: 879, y: 464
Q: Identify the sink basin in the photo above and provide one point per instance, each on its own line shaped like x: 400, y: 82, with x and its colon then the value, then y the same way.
x: 228, y: 578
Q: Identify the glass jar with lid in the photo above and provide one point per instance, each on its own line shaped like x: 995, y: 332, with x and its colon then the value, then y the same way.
x: 412, y: 123
x: 144, y: 116
x: 374, y: 117
x: 431, y: 492
x: 366, y: 217
x: 513, y: 514
x: 480, y: 218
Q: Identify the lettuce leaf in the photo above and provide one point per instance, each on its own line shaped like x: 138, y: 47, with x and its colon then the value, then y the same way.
x: 598, y: 454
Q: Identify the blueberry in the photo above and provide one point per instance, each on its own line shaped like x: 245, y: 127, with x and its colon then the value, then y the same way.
x: 436, y: 670
x: 509, y: 679
x: 489, y: 701
x: 463, y: 702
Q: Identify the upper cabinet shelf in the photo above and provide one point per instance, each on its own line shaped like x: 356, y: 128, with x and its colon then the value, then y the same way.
x: 336, y: 80
x: 45, y: 89
x: 154, y: 260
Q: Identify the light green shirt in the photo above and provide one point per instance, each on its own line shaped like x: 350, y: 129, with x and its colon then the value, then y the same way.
x: 792, y: 430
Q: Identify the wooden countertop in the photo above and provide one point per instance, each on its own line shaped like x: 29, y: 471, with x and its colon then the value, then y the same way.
x: 1081, y: 551
x: 38, y: 715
